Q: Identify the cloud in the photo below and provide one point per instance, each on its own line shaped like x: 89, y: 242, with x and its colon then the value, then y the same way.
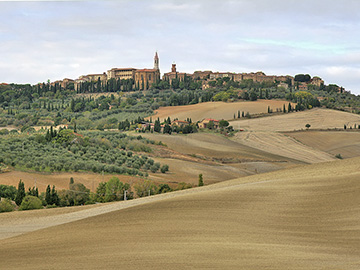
x: 41, y: 40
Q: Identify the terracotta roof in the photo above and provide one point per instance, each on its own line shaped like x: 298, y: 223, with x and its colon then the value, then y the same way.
x: 100, y: 74
x: 209, y: 119
x: 123, y: 69
x: 146, y: 70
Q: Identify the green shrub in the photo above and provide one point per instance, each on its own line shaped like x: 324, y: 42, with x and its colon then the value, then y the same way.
x: 339, y: 156
x: 31, y: 202
x: 6, y: 206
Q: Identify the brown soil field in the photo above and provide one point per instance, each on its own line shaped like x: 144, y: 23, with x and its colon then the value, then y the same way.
x: 306, y: 217
x: 263, y: 134
x: 217, y: 110
x: 317, y: 118
x: 346, y: 143
x: 216, y: 157
x: 280, y: 144
x: 188, y: 172
x: 60, y: 180
x: 212, y: 145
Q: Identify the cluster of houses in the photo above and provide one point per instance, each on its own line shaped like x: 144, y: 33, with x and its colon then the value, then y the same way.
x: 181, y: 124
x: 144, y: 78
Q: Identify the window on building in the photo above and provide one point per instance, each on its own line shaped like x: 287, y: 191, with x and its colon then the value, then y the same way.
x: 149, y: 77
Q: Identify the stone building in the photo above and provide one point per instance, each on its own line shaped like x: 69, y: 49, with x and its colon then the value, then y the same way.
x: 317, y: 81
x: 65, y: 82
x: 201, y: 75
x: 215, y: 75
x: 121, y: 73
x: 144, y: 78
x: 173, y: 75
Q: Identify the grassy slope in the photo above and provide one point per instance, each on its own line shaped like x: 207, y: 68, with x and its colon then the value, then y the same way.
x: 302, y: 218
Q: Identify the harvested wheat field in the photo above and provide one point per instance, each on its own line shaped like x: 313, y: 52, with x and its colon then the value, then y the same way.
x: 59, y: 180
x: 345, y: 143
x: 212, y: 145
x: 317, y: 118
x: 215, y: 156
x: 306, y: 217
x: 280, y: 144
x: 217, y: 110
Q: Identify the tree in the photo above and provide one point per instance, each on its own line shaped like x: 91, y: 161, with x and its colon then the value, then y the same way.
x: 223, y: 123
x: 30, y: 202
x: 302, y: 78
x: 71, y: 180
x: 6, y: 206
x: 164, y: 168
x: 145, y: 188
x: 20, y: 195
x: 8, y: 192
x: 101, y: 192
x: 115, y: 190
x: 211, y: 125
x: 48, y: 195
x: 157, y: 126
x: 167, y: 129
x: 54, y: 196
x: 201, y: 181
x: 163, y: 188
x: 289, y: 107
x: 307, y: 126
x: 77, y: 194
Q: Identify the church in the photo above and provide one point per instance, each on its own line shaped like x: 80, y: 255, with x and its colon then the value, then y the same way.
x: 144, y: 78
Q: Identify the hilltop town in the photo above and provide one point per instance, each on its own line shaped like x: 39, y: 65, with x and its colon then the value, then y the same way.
x: 143, y: 79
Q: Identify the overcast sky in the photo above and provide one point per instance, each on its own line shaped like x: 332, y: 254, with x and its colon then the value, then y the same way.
x: 43, y: 40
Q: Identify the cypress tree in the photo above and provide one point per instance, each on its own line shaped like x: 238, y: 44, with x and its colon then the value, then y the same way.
x: 157, y: 126
x: 20, y: 193
x: 289, y: 107
x: 48, y: 195
x: 54, y: 196
x: 201, y: 181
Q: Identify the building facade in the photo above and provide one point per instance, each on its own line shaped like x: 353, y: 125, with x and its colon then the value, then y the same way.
x: 121, y: 73
x: 170, y: 76
x: 144, y: 78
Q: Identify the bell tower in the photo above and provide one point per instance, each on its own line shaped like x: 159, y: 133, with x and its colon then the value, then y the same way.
x: 156, y: 61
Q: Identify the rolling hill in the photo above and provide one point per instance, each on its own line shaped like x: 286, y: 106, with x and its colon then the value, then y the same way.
x: 306, y: 217
x: 217, y: 110
x: 346, y: 143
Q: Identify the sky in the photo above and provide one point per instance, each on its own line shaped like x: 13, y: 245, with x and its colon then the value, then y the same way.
x: 41, y: 40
